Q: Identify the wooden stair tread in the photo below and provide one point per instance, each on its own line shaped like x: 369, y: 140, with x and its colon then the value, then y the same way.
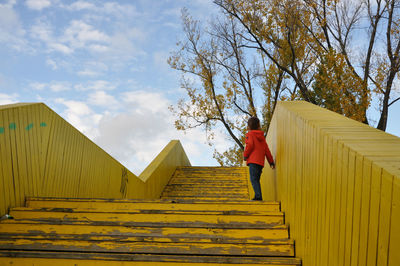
x: 253, y: 235
x: 131, y: 259
x: 276, y: 249
x: 124, y: 205
x: 152, y: 211
x: 159, y: 201
x: 176, y: 220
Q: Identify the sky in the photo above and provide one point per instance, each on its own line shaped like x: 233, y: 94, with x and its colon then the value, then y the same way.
x: 102, y: 66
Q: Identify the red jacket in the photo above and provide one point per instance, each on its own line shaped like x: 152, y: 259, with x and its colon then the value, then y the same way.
x: 257, y: 148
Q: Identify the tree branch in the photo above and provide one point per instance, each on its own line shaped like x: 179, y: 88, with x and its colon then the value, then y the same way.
x: 393, y: 101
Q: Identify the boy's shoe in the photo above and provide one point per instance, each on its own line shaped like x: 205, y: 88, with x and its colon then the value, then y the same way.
x: 256, y: 198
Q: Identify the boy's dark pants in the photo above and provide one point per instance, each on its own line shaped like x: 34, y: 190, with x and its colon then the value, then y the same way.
x: 255, y: 174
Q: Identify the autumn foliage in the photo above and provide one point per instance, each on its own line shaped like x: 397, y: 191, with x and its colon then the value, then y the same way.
x: 338, y: 54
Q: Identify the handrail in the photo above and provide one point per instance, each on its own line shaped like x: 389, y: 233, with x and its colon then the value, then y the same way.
x: 42, y: 155
x: 338, y: 181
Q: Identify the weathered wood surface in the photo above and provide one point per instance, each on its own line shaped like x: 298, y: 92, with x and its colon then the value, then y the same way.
x: 204, y: 217
x: 278, y: 248
x: 22, y: 229
x: 104, y: 205
x: 218, y: 184
x: 339, y: 182
x: 23, y: 258
x: 149, y: 219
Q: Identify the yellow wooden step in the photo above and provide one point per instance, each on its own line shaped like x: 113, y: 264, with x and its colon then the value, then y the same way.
x: 233, y: 178
x: 216, y: 178
x: 214, y: 173
x: 205, y: 189
x: 212, y: 168
x: 140, y: 219
x: 223, y: 187
x: 207, y: 182
x: 257, y: 212
x: 183, y: 186
x: 196, y: 194
x: 65, y: 231
x: 206, y: 199
x: 45, y: 258
x: 200, y: 203
x: 124, y: 205
x: 212, y: 194
x: 211, y: 173
x: 278, y: 248
x: 214, y: 211
x: 150, y: 238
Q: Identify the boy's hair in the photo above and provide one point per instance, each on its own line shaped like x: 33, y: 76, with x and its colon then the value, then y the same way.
x: 253, y: 123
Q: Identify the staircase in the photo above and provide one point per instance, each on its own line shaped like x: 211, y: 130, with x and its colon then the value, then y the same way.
x: 204, y: 217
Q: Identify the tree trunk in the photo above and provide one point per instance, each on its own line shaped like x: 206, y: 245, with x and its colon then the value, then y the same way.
x: 385, y: 103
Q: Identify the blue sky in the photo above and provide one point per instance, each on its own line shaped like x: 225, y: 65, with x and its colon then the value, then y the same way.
x: 102, y: 66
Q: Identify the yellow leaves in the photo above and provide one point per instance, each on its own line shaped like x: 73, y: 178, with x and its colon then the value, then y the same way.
x: 231, y: 157
x: 380, y: 74
x: 337, y: 88
x: 395, y: 29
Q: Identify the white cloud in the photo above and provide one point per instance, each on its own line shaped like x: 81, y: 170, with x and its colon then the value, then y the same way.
x: 174, y: 12
x: 136, y: 34
x: 38, y: 4
x: 109, y: 8
x: 146, y: 101
x: 39, y: 98
x: 93, y: 69
x: 118, y: 10
x: 101, y: 98
x: 59, y: 47
x: 96, y: 85
x: 81, y: 116
x: 123, y: 46
x: 136, y: 135
x: 60, y: 86
x: 80, y: 34
x: 8, y: 4
x: 8, y: 98
x: 99, y: 48
x: 175, y: 26
x: 160, y: 60
x: 54, y: 86
x: 42, y: 31
x: 81, y: 5
x: 51, y: 63
x: 88, y: 73
x: 11, y: 30
x: 38, y: 86
x: 114, y: 46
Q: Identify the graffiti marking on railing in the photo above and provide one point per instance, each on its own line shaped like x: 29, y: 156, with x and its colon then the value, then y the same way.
x: 29, y: 127
x: 13, y: 126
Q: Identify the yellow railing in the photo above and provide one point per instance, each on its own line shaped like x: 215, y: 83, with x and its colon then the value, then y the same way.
x: 43, y: 155
x: 339, y: 183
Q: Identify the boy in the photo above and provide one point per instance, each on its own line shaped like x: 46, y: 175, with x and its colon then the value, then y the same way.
x: 254, y: 154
